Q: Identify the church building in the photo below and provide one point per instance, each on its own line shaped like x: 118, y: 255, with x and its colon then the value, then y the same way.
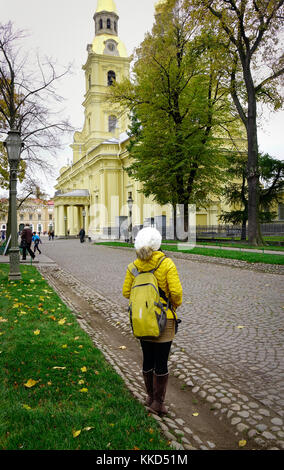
x: 94, y: 191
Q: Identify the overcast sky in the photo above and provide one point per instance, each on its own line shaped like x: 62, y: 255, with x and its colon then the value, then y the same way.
x: 62, y: 29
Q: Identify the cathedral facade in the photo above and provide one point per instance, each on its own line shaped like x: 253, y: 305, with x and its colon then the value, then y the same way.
x: 94, y: 191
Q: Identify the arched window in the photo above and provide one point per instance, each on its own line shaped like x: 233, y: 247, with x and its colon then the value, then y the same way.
x: 110, y: 77
x: 108, y: 24
x: 101, y: 24
x: 112, y: 123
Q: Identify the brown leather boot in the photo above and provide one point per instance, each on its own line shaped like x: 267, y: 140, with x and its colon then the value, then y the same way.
x: 160, y: 383
x: 148, y: 380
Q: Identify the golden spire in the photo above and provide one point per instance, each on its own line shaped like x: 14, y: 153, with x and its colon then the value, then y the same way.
x: 106, y: 5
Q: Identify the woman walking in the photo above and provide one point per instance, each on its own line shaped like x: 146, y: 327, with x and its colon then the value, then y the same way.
x: 156, y: 351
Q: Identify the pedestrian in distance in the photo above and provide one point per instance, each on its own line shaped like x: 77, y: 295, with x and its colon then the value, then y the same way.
x: 37, y: 240
x: 82, y: 235
x: 155, y: 350
x: 26, y: 241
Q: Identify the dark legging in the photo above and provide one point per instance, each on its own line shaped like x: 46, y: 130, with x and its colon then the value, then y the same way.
x: 155, y: 356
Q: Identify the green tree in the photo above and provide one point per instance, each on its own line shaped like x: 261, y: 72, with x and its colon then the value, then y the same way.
x: 181, y: 112
x: 252, y: 29
x: 271, y: 173
x: 29, y: 103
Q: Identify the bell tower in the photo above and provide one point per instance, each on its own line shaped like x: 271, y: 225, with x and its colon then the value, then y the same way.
x: 106, y: 18
x: 106, y: 63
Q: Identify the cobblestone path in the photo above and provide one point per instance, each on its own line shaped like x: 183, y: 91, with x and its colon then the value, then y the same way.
x: 232, y: 318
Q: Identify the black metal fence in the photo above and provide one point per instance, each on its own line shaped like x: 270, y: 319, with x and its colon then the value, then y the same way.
x: 225, y: 231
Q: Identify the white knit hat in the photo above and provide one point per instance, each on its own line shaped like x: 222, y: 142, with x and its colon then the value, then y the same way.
x: 149, y: 237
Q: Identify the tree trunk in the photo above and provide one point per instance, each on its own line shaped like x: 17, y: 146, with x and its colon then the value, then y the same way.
x: 252, y: 165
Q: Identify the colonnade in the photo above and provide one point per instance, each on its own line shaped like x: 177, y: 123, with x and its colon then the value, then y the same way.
x: 70, y: 218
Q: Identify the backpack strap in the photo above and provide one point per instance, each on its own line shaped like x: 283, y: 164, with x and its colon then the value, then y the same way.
x: 159, y: 264
x: 133, y: 269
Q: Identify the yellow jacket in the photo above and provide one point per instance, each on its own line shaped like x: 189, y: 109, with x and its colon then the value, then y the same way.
x: 167, y: 277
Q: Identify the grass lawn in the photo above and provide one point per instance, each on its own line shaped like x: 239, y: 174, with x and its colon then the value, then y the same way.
x: 242, y: 245
x: 250, y: 257
x: 56, y: 389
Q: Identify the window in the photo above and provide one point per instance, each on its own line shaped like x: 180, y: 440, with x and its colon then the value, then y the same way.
x: 108, y: 24
x: 31, y: 216
x: 50, y: 216
x: 21, y: 217
x: 101, y: 24
x: 115, y: 26
x: 111, y: 77
x: 112, y: 122
x: 39, y: 216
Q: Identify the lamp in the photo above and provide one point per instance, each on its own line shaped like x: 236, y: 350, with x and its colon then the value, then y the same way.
x: 65, y: 225
x: 130, y: 205
x: 84, y: 215
x: 13, y: 145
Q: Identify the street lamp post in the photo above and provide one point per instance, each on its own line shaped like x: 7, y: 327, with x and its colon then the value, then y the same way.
x: 84, y: 215
x: 130, y: 205
x: 65, y: 225
x: 13, y: 145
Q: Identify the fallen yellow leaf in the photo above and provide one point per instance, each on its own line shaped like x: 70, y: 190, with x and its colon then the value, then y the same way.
x: 122, y: 347
x: 30, y: 383
x: 88, y: 428
x: 240, y: 327
x: 27, y: 407
x: 81, y: 382
x: 195, y: 414
x: 83, y: 390
x: 76, y: 433
x: 58, y: 367
x: 242, y: 443
x: 84, y: 369
x: 62, y: 321
x: 36, y: 332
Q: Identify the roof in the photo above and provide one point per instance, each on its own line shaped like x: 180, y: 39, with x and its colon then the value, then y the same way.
x: 75, y: 193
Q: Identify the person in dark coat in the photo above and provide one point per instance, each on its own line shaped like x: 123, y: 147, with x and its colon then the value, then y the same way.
x: 26, y: 241
x: 82, y: 235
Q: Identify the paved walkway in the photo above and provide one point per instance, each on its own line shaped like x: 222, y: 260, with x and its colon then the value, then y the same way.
x: 232, y: 321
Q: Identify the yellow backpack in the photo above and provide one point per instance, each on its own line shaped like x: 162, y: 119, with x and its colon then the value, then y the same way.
x: 147, y: 314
